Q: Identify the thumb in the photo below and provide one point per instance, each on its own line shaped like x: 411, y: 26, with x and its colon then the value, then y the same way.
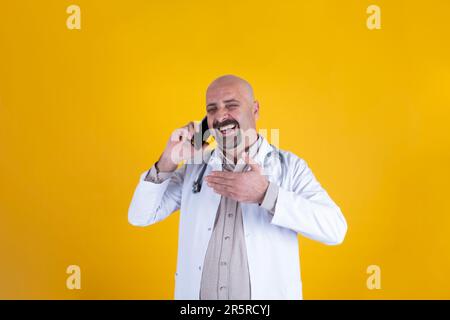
x: 254, y: 166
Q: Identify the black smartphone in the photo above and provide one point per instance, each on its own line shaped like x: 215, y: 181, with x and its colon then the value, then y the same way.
x: 200, y: 137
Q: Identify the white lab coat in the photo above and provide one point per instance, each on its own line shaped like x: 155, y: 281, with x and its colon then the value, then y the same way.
x: 303, y: 206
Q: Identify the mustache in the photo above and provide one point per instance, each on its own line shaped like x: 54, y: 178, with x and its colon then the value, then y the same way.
x: 226, y: 122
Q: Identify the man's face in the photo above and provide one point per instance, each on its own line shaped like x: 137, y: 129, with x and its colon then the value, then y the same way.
x: 231, y: 112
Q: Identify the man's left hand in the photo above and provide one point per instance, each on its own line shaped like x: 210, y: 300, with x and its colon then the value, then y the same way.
x: 249, y: 186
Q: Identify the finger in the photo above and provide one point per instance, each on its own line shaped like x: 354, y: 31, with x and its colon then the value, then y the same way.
x: 197, y: 126
x: 197, y: 139
x: 224, y: 175
x: 223, y: 190
x: 185, y: 135
x: 212, y: 181
x: 179, y: 135
x: 189, y: 152
x: 191, y: 129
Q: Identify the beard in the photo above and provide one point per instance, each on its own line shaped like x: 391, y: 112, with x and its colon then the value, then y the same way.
x: 230, y: 142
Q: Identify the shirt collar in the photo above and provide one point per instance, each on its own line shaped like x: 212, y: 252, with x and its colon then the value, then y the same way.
x: 257, y: 152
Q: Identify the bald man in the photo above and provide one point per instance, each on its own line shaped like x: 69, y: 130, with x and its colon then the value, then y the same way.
x: 237, y: 233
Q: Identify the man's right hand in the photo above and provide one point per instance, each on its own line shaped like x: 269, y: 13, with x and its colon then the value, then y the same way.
x: 178, y: 148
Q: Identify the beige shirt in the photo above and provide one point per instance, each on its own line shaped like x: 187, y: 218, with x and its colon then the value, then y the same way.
x: 225, y: 272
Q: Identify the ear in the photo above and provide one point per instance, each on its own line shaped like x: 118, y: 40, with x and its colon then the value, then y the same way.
x: 256, y: 109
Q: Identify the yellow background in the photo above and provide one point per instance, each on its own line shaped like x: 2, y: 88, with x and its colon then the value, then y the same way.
x: 84, y: 112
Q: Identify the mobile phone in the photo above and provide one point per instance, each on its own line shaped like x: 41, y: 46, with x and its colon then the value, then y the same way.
x: 200, y: 137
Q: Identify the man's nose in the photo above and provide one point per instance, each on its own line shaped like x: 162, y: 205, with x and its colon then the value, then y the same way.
x: 221, y: 115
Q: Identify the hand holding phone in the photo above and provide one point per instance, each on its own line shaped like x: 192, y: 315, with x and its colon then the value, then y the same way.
x: 182, y: 142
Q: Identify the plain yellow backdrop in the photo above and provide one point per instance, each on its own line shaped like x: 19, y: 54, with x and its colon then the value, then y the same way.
x: 84, y: 112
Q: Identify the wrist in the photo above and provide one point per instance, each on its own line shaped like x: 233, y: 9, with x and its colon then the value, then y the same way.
x: 165, y: 165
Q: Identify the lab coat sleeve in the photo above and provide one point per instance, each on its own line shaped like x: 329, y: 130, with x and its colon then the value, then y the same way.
x: 307, y: 208
x: 153, y: 202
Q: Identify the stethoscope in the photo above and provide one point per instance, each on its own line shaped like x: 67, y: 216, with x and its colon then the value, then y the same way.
x: 197, y: 185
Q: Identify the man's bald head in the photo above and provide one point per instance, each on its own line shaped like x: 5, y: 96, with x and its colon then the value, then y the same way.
x: 232, y: 81
x: 232, y: 110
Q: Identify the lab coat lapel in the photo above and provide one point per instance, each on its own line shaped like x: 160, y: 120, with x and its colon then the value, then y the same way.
x: 249, y: 210
x: 209, y: 200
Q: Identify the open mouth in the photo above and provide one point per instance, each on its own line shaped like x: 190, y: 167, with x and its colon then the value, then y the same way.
x: 228, y: 130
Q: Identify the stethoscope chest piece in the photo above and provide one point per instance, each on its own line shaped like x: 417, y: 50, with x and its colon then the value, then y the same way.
x: 196, y: 187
